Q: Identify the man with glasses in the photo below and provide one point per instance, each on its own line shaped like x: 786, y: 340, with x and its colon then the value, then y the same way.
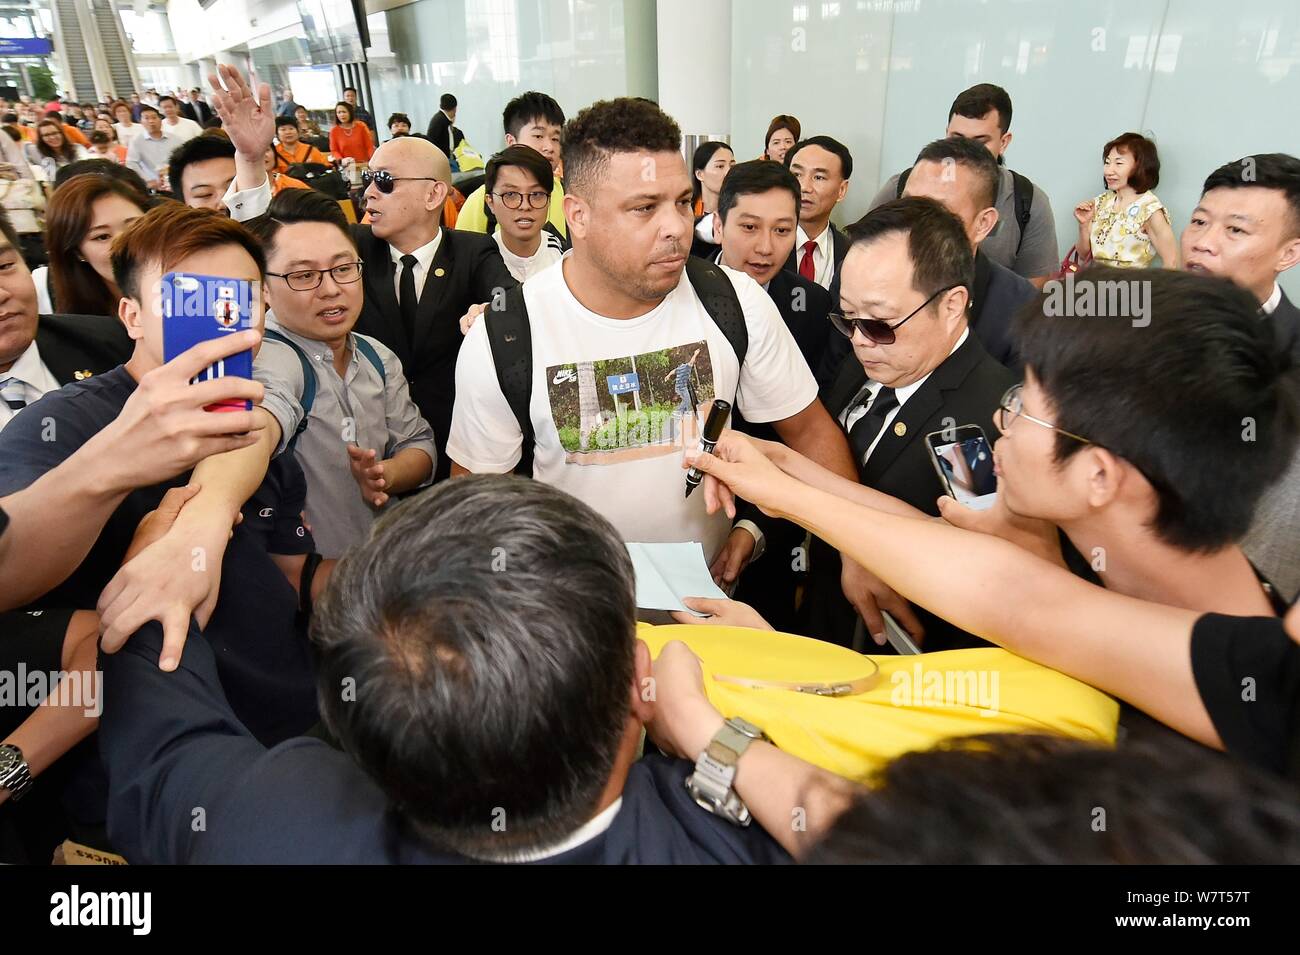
x: 340, y: 398
x: 518, y: 185
x: 419, y: 279
x: 915, y: 369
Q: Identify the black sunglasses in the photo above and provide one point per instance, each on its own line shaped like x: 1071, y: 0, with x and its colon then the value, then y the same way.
x: 880, y: 332
x: 384, y: 180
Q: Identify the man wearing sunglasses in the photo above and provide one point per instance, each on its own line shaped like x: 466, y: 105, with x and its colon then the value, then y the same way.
x: 915, y: 369
x: 418, y: 278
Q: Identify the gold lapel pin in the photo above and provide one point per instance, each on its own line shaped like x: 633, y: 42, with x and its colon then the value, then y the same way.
x: 82, y: 375
x: 439, y: 272
x: 900, y: 429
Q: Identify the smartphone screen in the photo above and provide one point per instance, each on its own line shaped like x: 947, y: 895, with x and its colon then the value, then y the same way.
x: 197, y: 308
x: 965, y: 465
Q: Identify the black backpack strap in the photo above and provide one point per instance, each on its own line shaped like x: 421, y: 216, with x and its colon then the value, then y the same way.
x: 902, y: 182
x: 721, y: 302
x: 308, y: 397
x: 511, y: 341
x: 1022, y: 194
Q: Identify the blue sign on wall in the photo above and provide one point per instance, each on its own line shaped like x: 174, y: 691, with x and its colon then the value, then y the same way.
x: 26, y: 46
x: 622, y: 384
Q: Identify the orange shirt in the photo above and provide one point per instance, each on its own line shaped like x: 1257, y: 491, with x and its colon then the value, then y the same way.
x: 358, y: 144
x: 280, y: 182
x: 286, y: 156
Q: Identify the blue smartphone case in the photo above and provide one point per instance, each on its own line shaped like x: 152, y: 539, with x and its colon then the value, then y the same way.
x: 196, y: 308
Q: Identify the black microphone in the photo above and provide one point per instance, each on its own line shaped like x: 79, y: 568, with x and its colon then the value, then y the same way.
x: 713, y: 426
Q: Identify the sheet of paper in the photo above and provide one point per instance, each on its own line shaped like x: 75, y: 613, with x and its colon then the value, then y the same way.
x: 665, y: 573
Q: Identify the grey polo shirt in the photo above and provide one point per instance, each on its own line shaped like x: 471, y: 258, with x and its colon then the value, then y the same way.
x: 361, y: 408
x: 1039, y: 254
x: 148, y: 156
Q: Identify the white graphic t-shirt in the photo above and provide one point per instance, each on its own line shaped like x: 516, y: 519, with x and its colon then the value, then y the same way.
x: 614, y: 401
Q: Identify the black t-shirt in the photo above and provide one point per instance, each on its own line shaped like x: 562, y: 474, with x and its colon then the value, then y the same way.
x: 264, y: 660
x: 1248, y: 673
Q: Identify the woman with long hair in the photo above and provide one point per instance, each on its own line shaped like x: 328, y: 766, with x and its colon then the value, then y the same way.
x: 52, y: 149
x: 709, y: 166
x: 782, y: 133
x: 85, y: 214
x: 126, y: 126
x: 350, y: 138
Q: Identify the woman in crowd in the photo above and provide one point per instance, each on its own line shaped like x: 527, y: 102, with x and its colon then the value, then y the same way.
x: 279, y: 181
x: 306, y: 125
x: 127, y: 128
x: 710, y: 164
x: 782, y: 133
x: 350, y: 138
x: 84, y: 216
x: 116, y: 150
x: 1127, y: 226
x: 52, y: 149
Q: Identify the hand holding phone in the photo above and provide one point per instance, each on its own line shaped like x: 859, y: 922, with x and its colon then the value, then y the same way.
x: 199, y: 308
x: 963, y: 459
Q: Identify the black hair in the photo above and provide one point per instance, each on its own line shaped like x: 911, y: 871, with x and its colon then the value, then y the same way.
x: 975, y: 103
x: 351, y: 110
x: 623, y: 125
x: 495, y: 596
x: 351, y: 89
x: 831, y: 146
x: 971, y: 155
x: 1019, y: 799
x: 448, y: 101
x: 1262, y: 171
x: 528, y: 108
x: 1193, y: 390
x: 146, y: 108
x: 754, y: 177
x: 937, y: 244
x: 704, y: 153
x: 199, y: 149
x: 291, y: 206
x: 165, y: 99
x: 110, y: 170
x: 395, y: 118
x: 525, y: 157
x: 9, y: 232
x: 286, y: 121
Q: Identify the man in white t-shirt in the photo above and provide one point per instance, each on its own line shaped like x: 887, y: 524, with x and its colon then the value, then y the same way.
x: 174, y: 123
x: 517, y: 193
x: 608, y: 324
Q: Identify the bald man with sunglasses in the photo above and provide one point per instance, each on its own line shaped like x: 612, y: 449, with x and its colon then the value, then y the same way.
x: 420, y: 279
x: 916, y: 368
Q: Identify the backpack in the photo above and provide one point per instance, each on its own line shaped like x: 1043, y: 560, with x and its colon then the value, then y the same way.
x: 511, y: 341
x: 322, y: 178
x: 309, y: 383
x: 1022, y: 195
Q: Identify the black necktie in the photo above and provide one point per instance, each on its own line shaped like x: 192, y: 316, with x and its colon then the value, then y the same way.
x: 866, y: 428
x: 407, y: 298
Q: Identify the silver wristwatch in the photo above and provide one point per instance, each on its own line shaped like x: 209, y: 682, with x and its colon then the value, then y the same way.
x: 14, y: 773
x: 715, y: 771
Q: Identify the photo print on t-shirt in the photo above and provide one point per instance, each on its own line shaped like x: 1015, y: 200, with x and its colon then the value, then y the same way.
x: 625, y: 409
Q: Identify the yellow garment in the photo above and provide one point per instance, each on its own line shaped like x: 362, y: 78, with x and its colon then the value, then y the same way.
x: 1118, y: 232
x: 918, y: 700
x: 473, y: 217
x: 467, y: 157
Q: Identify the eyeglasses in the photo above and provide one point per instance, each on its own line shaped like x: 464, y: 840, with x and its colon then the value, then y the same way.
x: 309, y: 279
x: 880, y: 332
x: 1012, y: 406
x: 515, y: 200
x: 384, y: 180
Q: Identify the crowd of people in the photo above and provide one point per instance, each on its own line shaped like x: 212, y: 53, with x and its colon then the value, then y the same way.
x: 375, y: 603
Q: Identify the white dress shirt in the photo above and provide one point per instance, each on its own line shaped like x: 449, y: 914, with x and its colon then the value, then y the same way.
x: 1273, y: 300
x: 35, y: 377
x: 857, y: 408
x: 423, y: 258
x: 823, y: 255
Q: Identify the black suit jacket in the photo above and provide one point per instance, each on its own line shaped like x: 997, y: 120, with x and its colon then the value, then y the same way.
x: 1286, y: 321
x: 804, y: 305
x: 76, y: 346
x: 466, y: 270
x: 437, y: 131
x: 998, y: 294
x: 965, y: 388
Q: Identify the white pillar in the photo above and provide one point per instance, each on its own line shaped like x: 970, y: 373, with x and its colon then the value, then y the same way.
x: 694, y: 40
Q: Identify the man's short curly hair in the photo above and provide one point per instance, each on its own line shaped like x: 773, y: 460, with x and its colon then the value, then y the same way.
x: 623, y: 125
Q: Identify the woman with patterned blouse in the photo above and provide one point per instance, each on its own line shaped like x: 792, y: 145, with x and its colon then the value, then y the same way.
x: 1127, y: 226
